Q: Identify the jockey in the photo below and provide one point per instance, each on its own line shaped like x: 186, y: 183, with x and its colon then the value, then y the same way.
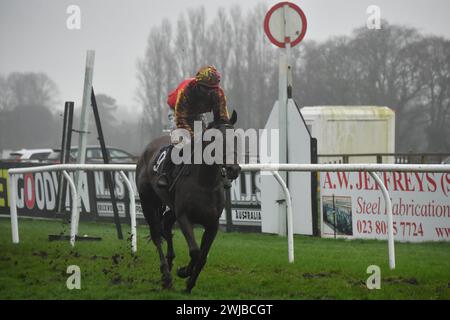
x: 194, y: 97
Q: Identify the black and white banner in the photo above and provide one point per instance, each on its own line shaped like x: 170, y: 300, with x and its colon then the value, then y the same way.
x: 37, y: 195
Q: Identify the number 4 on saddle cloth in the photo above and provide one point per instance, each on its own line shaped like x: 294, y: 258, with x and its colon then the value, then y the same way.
x: 168, y: 173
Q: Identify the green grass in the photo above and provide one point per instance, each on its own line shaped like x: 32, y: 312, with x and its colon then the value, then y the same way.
x: 240, y: 266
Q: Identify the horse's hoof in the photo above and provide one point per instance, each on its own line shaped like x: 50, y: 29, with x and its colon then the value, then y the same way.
x: 167, y: 283
x: 182, y: 272
x: 187, y: 291
x: 190, y: 284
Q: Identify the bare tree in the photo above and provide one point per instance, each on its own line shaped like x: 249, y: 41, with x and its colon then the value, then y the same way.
x: 32, y: 89
x: 6, y: 103
x: 373, y: 67
x: 29, y: 126
x: 197, y: 37
x: 395, y: 66
x: 436, y: 72
x: 219, y: 42
x: 182, y: 52
x: 27, y: 119
x: 236, y: 91
x: 155, y: 72
x: 380, y: 59
x: 107, y: 108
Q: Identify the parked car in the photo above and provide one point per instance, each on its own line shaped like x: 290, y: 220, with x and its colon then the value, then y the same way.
x: 94, y: 155
x: 30, y: 155
x: 54, y: 156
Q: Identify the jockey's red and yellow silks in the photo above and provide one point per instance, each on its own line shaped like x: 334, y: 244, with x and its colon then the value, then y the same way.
x: 173, y: 96
x: 194, y: 99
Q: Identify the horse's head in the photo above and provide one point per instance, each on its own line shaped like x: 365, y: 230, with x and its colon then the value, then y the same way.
x: 228, y: 147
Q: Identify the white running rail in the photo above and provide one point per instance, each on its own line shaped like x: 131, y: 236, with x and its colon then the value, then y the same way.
x: 75, y: 217
x: 274, y: 168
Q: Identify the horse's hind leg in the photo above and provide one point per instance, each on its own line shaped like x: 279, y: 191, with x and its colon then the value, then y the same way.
x: 194, y: 251
x: 208, y: 237
x: 152, y: 209
x: 169, y: 219
x: 155, y: 232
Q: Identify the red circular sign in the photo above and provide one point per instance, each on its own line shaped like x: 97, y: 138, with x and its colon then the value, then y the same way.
x: 293, y: 38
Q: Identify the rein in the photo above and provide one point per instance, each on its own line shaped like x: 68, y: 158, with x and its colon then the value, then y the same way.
x: 180, y: 173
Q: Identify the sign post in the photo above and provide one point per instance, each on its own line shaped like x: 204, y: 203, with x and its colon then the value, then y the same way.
x: 285, y: 26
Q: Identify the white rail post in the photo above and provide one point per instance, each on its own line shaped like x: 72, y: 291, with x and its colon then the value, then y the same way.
x: 84, y: 117
x: 132, y: 211
x: 75, y: 215
x: 388, y: 203
x: 290, y: 219
x: 13, y: 208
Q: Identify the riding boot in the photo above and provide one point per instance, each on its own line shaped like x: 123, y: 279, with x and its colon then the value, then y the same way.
x: 226, y: 181
x: 162, y: 181
x: 164, y: 169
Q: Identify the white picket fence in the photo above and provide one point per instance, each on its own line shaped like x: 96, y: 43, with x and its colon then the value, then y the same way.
x: 273, y: 168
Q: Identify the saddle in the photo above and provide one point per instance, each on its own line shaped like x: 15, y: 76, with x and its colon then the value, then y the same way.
x: 165, y: 169
x: 163, y: 166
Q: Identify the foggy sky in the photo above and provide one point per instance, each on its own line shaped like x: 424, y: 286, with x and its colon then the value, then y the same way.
x: 34, y: 37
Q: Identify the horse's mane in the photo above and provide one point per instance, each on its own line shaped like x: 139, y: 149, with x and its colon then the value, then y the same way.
x: 218, y: 122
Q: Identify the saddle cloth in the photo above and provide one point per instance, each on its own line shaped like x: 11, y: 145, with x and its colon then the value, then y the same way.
x: 163, y: 165
x: 160, y: 160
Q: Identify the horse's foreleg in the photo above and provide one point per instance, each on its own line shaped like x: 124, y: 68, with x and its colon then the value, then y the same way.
x: 194, y: 251
x: 169, y: 219
x: 208, y: 237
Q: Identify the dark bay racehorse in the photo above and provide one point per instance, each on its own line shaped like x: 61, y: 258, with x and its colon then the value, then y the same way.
x: 197, y: 198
